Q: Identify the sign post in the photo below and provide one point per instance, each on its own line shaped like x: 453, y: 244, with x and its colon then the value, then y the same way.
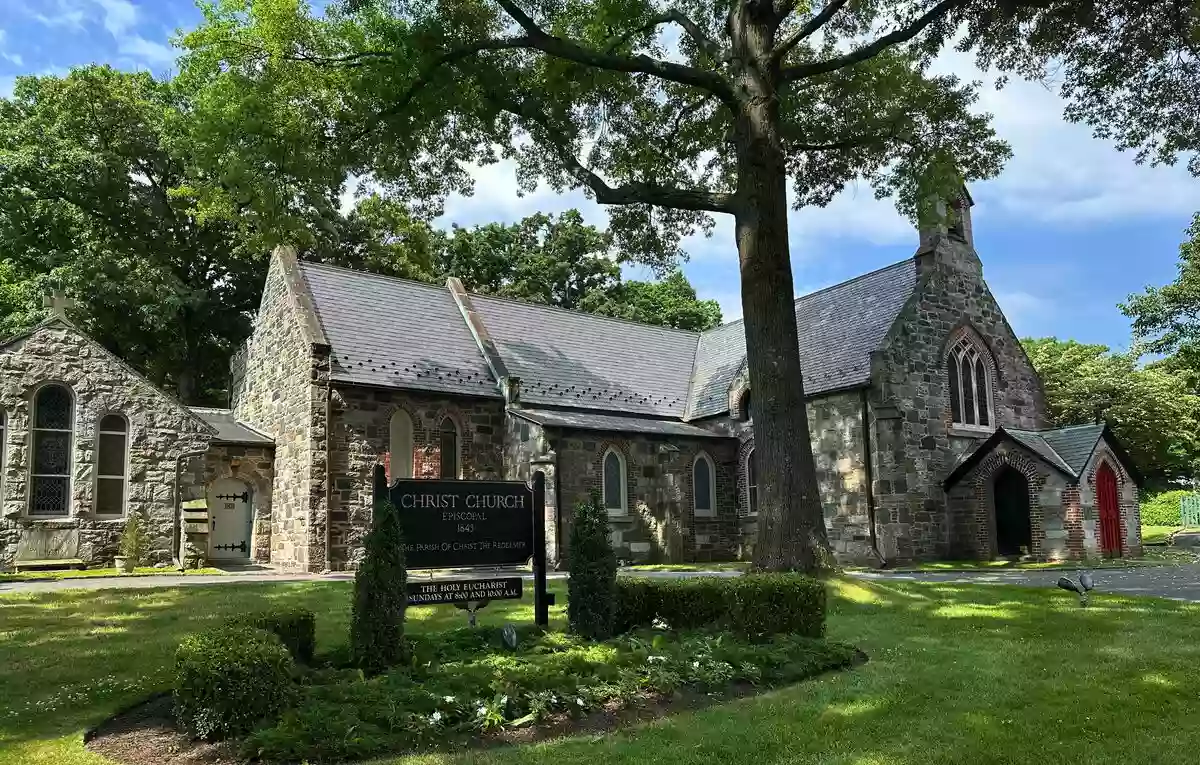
x: 541, y: 598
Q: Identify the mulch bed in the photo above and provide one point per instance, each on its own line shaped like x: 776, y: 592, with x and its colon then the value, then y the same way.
x: 145, y: 734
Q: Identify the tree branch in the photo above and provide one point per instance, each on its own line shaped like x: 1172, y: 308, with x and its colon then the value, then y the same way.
x: 572, y: 51
x: 706, y: 43
x: 858, y: 55
x: 815, y: 23
x: 627, y: 193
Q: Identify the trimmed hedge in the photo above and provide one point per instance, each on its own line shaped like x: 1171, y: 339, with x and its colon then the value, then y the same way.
x: 591, y: 588
x: 752, y: 605
x: 296, y: 627
x: 229, y: 679
x: 1163, y: 509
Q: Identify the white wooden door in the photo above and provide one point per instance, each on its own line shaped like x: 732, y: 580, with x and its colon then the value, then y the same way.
x: 229, y: 520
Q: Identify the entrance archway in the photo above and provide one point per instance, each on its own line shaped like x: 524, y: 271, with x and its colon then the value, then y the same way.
x: 1014, y: 530
x: 229, y: 520
x: 1110, y: 511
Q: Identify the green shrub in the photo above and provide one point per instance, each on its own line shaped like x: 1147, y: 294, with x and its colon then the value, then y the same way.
x: 1163, y: 509
x: 591, y: 588
x: 136, y: 544
x: 296, y: 628
x: 752, y: 605
x: 229, y: 679
x: 380, y: 595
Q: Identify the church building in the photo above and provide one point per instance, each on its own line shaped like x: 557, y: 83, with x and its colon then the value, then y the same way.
x: 927, y: 419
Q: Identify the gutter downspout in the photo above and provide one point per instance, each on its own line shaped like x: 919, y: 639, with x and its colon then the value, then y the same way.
x: 176, y: 536
x: 869, y: 465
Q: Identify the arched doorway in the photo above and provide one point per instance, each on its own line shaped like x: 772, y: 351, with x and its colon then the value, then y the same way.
x: 1011, y: 499
x: 229, y: 520
x: 1110, y: 511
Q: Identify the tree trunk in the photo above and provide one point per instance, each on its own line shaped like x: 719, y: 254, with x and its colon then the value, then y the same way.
x: 791, y: 521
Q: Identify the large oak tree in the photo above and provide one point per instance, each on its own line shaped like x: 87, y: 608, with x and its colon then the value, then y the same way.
x: 670, y: 113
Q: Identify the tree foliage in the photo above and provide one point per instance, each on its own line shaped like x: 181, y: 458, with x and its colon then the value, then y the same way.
x: 1154, y: 411
x: 667, y: 112
x: 1167, y: 319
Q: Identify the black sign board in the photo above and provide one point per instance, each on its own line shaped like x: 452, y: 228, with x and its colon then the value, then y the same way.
x: 464, y: 523
x: 463, y: 591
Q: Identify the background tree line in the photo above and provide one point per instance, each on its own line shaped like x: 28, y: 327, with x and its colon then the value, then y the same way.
x: 97, y: 198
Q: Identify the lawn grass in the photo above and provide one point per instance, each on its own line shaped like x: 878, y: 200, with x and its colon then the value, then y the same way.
x: 88, y: 573
x: 958, y: 673
x: 1002, y: 565
x: 736, y: 565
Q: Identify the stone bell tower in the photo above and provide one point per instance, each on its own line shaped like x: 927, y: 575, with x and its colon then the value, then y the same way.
x: 948, y: 240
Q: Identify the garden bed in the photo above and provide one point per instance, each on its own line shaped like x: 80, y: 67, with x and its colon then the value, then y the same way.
x: 466, y: 688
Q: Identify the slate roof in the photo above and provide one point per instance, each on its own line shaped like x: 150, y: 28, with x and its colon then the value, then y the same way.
x: 839, y: 326
x: 396, y: 333
x: 592, y: 362
x: 229, y: 429
x: 614, y: 423
x: 1066, y: 449
x: 402, y: 334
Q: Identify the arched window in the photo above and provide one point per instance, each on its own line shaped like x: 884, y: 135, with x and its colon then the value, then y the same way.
x: 703, y: 484
x: 112, y: 451
x: 53, y: 437
x: 751, y: 483
x: 614, y: 482
x: 970, y: 385
x: 448, y: 447
x: 400, y: 446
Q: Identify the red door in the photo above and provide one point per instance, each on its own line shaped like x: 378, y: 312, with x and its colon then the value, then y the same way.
x: 1110, y: 511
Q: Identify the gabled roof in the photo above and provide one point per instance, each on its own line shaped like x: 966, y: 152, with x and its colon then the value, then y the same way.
x: 1067, y: 449
x: 576, y: 359
x: 395, y: 333
x: 230, y: 430
x: 838, y: 326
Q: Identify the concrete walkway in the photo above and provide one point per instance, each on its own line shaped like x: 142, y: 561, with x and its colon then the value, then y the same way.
x: 268, y: 576
x: 1178, y: 582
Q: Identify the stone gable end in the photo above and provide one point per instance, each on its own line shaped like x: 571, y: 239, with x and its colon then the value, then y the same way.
x: 161, y: 431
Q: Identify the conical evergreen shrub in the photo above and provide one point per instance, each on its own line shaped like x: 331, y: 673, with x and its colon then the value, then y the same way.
x: 592, y: 586
x: 380, y: 595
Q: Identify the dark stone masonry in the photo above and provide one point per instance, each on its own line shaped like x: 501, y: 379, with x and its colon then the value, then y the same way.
x: 928, y: 425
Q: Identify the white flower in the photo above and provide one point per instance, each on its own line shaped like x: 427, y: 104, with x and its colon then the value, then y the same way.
x: 436, y: 717
x: 448, y: 699
x: 579, y: 701
x: 481, y: 711
x: 695, y: 665
x: 652, y: 659
x: 503, y: 700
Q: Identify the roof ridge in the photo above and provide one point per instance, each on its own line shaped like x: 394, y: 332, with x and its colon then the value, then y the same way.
x: 373, y: 275
x: 518, y: 301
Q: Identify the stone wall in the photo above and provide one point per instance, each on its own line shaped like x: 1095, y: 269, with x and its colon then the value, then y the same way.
x: 359, y: 440
x: 527, y: 449
x: 1127, y: 499
x: 914, y: 443
x: 161, y: 431
x: 660, y: 525
x: 282, y: 391
x: 839, y: 455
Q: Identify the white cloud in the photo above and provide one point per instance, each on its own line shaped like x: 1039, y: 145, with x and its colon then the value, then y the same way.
x: 147, y: 51
x: 1024, y: 310
x: 61, y: 13
x: 119, y: 15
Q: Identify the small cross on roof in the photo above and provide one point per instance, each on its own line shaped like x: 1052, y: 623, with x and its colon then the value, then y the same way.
x: 58, y: 303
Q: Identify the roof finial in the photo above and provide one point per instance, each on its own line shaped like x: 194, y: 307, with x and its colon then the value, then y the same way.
x: 58, y: 303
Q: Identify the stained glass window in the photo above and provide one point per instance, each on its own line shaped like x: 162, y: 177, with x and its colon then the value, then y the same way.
x: 702, y: 484
x: 614, y: 482
x: 111, y: 460
x: 970, y: 392
x: 400, y: 446
x: 448, y: 440
x: 53, y: 436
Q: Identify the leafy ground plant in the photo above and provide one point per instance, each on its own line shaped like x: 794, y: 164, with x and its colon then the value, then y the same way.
x: 465, y: 683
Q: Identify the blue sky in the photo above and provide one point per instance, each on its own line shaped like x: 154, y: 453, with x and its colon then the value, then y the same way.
x: 1067, y: 231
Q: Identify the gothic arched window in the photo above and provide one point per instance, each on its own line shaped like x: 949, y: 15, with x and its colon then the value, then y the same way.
x: 400, y: 446
x: 448, y: 447
x: 751, y: 484
x: 53, y: 440
x: 614, y: 482
x: 703, y: 475
x: 969, y: 372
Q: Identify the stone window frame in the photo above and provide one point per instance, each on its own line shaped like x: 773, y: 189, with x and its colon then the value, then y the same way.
x: 961, y: 341
x: 711, y: 510
x: 411, y: 442
x: 71, y: 444
x: 623, y: 510
x: 751, y: 488
x: 124, y: 466
x: 457, y: 430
